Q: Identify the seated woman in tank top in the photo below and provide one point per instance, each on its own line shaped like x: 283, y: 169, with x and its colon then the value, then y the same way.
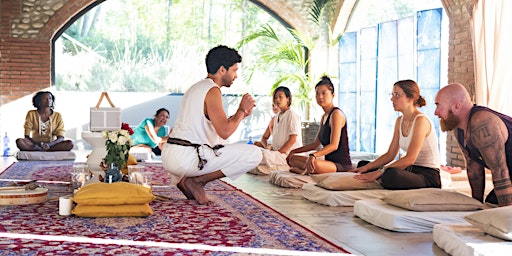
x: 414, y: 133
x: 329, y: 151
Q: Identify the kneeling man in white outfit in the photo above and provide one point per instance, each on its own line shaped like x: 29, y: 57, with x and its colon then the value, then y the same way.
x: 195, y: 150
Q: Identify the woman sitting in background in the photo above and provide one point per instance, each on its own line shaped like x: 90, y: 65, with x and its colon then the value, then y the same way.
x: 270, y: 128
x: 415, y: 134
x: 285, y: 132
x: 44, y: 127
x: 151, y: 132
x: 332, y: 136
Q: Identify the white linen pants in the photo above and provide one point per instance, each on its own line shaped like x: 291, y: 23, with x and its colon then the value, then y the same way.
x: 233, y: 160
x: 273, y: 158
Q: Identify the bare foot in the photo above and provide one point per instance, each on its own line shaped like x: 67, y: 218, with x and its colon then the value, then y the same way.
x: 184, y: 190
x: 451, y: 170
x: 196, y: 188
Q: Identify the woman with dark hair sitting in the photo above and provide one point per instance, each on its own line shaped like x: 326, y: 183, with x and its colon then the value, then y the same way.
x: 331, y: 142
x: 151, y: 133
x: 44, y: 127
x: 286, y: 134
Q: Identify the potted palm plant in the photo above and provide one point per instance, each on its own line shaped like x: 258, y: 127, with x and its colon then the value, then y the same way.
x: 294, y: 51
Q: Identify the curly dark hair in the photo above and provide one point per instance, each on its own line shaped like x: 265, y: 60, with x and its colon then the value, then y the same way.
x: 36, y: 100
x: 221, y: 56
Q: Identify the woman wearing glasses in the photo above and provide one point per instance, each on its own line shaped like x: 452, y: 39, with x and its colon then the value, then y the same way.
x: 414, y: 133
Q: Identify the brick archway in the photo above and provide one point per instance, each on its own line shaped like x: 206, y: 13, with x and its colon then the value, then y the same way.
x: 28, y: 28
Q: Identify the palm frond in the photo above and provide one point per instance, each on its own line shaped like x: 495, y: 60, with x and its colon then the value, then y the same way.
x: 303, y: 39
x: 317, y: 10
x: 266, y: 31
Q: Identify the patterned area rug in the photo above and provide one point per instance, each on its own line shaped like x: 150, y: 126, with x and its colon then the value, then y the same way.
x: 60, y: 171
x: 236, y: 224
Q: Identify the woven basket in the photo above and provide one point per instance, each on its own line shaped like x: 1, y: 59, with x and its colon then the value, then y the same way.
x: 309, y: 130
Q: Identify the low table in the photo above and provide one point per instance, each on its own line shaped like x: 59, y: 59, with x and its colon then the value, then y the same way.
x: 99, y: 151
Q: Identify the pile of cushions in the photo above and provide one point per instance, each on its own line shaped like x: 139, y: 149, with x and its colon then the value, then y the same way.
x: 495, y: 221
x: 119, y: 199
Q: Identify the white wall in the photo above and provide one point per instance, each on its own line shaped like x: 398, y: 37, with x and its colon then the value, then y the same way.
x: 75, y: 108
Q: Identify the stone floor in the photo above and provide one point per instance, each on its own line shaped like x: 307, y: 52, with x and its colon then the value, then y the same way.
x: 337, y: 224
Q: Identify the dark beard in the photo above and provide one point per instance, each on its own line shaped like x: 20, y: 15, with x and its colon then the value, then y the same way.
x: 226, y: 82
x: 449, y: 123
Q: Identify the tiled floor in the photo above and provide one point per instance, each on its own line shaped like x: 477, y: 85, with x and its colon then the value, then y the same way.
x: 337, y: 224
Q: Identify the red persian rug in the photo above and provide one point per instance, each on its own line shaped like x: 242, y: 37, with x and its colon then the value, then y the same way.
x: 60, y: 171
x: 236, y: 224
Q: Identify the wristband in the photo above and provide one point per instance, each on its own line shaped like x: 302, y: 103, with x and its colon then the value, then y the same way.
x: 245, y: 112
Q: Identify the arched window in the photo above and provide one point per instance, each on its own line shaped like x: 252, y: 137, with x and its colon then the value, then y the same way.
x: 153, y: 46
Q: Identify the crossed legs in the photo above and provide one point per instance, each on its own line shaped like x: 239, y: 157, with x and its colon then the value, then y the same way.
x: 25, y: 144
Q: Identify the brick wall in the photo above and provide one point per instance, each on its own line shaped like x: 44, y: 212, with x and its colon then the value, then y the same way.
x: 460, y: 63
x: 26, y: 30
x: 28, y: 26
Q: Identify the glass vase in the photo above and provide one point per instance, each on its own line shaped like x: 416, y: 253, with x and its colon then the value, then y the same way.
x: 113, y: 174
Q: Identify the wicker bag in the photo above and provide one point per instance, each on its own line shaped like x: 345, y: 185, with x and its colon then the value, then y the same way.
x: 105, y: 118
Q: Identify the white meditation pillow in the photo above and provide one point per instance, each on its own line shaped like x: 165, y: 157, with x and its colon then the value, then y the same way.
x: 343, y: 181
x: 288, y: 179
x: 431, y: 200
x: 45, y: 155
x: 496, y: 222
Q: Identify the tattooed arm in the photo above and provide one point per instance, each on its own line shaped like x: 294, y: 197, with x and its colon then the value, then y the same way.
x: 476, y: 177
x: 488, y: 135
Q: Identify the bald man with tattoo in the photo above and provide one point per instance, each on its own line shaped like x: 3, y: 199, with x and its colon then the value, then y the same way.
x: 484, y: 138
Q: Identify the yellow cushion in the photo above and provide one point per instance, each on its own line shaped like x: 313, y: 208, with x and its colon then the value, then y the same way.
x: 131, y: 161
x: 118, y: 193
x: 138, y: 210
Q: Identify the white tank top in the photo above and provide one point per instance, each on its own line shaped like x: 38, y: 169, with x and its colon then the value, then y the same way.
x: 429, y: 152
x: 191, y: 123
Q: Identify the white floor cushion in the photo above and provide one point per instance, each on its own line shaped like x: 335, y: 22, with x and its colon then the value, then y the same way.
x: 339, y: 198
x: 141, y: 153
x: 381, y: 214
x: 45, y: 156
x: 288, y: 179
x: 265, y: 170
x: 465, y: 239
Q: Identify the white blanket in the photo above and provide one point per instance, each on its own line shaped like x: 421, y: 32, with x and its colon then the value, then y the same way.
x: 141, y: 153
x: 288, y: 179
x: 339, y: 198
x: 381, y: 214
x: 465, y: 239
x: 45, y: 156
